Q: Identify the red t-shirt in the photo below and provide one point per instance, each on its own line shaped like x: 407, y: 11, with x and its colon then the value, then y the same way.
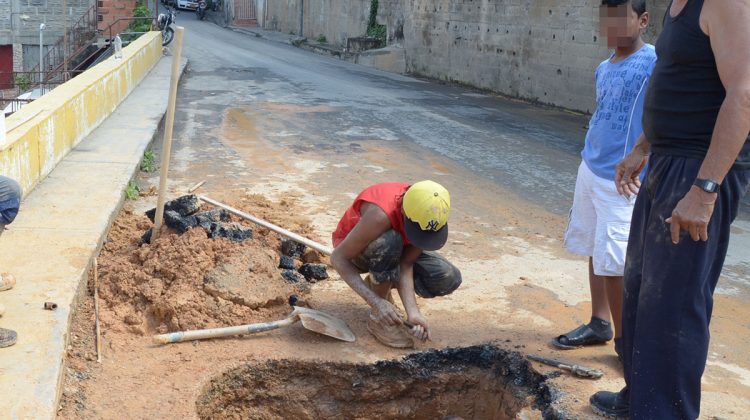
x: 387, y: 196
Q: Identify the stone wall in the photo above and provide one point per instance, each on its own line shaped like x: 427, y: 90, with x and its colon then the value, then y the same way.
x: 336, y: 20
x: 20, y: 19
x: 540, y: 50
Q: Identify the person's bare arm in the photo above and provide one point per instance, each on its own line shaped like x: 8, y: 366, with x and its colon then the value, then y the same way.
x: 726, y: 23
x: 421, y: 328
x: 628, y: 171
x: 373, y: 222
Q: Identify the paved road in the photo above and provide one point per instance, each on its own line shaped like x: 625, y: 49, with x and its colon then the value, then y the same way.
x: 530, y: 150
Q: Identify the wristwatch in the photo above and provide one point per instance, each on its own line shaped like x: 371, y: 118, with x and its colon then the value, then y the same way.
x: 707, y: 185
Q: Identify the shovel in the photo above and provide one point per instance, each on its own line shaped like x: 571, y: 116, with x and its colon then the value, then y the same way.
x: 315, y: 321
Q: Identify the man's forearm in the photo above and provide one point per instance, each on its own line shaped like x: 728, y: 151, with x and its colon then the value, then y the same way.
x: 730, y: 134
x: 642, y: 146
x: 406, y: 290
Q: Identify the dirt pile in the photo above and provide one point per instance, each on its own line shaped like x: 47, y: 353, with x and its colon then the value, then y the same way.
x: 479, y: 382
x: 190, y: 280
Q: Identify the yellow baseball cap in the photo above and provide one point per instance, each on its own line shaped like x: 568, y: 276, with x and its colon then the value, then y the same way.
x: 427, y: 206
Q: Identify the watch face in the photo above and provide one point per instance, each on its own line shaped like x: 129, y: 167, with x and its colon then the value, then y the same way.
x: 707, y: 185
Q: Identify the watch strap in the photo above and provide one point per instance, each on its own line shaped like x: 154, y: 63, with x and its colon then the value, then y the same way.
x: 707, y: 185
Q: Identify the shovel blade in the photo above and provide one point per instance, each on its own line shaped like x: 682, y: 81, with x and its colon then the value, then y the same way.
x: 322, y: 323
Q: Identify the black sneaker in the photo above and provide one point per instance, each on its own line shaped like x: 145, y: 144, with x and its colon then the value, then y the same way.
x: 613, y: 405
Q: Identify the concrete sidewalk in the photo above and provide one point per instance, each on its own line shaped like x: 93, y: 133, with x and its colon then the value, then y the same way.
x: 60, y: 228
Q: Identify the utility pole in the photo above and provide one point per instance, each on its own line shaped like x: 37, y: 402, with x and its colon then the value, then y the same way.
x: 41, y: 52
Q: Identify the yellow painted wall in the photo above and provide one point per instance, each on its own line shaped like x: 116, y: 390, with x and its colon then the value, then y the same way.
x: 44, y: 131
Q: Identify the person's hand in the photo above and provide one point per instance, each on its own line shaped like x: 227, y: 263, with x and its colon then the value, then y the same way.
x: 420, y: 329
x: 628, y: 172
x: 385, y: 313
x: 692, y: 214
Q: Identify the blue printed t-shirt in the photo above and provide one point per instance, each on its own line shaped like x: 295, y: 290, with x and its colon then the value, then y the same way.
x: 617, y: 122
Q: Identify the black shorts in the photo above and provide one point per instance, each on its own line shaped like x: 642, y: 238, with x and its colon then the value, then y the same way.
x: 433, y: 274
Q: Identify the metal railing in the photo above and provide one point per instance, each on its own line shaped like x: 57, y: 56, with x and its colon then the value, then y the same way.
x: 64, y: 61
x: 111, y: 34
x: 9, y: 106
x: 13, y: 84
x: 62, y: 54
x: 127, y: 37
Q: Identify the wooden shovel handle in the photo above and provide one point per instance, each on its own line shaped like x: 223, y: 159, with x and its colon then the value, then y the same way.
x: 177, y: 337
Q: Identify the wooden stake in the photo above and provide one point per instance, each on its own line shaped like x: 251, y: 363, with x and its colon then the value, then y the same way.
x: 196, y: 186
x: 96, y: 312
x: 166, y: 150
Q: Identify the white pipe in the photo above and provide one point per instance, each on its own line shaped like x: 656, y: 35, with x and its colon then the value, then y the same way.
x: 281, y: 231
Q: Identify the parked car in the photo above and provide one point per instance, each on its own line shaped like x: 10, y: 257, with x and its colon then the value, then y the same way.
x: 187, y: 4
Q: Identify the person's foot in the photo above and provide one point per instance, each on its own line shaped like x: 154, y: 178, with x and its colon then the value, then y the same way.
x: 597, y: 331
x: 7, y: 337
x: 390, y: 335
x: 7, y: 281
x: 613, y: 405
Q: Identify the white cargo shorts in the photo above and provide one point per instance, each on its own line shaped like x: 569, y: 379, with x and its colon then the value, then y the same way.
x: 599, y: 223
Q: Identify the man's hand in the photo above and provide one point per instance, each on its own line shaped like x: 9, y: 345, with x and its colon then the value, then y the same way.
x: 628, y: 172
x: 385, y: 313
x: 421, y: 329
x: 692, y: 214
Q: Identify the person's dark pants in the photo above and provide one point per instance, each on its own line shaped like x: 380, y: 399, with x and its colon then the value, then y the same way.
x: 433, y: 274
x: 669, y: 291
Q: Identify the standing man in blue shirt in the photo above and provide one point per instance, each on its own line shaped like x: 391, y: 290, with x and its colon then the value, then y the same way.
x: 600, y: 218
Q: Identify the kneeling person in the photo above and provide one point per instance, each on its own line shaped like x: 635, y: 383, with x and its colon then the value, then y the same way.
x: 390, y: 232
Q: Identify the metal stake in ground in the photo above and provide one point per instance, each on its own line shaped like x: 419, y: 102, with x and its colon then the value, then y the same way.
x: 166, y: 151
x: 577, y: 370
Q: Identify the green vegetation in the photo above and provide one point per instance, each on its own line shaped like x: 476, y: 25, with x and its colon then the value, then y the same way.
x: 139, y: 25
x: 133, y: 191
x: 322, y: 39
x: 375, y: 30
x: 23, y: 82
x: 148, y: 164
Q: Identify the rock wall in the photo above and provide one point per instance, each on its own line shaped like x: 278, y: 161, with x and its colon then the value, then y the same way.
x: 20, y: 19
x: 539, y: 50
x: 335, y: 20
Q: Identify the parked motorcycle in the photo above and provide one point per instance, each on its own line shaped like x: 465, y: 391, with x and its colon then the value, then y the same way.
x: 200, y: 13
x: 164, y: 22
